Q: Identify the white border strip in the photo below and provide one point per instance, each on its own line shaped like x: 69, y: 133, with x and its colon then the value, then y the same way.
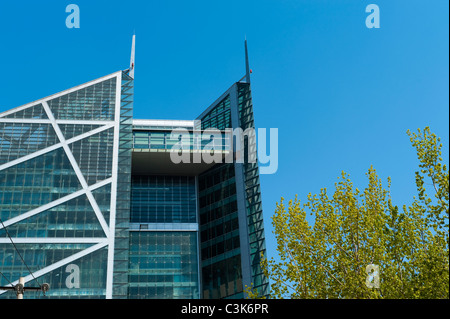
x: 172, y: 123
x: 56, y: 240
x: 88, y: 122
x: 115, y: 171
x: 27, y: 121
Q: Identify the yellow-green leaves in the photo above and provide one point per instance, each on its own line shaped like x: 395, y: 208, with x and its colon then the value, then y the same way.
x: 356, y: 230
x: 432, y: 172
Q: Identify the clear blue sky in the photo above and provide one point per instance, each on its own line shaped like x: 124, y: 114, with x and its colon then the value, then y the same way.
x: 341, y: 95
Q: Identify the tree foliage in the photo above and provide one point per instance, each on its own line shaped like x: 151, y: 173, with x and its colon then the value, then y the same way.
x: 355, y: 228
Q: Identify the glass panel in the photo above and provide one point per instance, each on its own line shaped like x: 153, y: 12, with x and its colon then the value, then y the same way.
x: 94, y: 156
x: 83, y: 278
x: 221, y: 263
x: 163, y: 199
x: 102, y: 196
x: 72, y: 130
x: 33, y: 112
x: 163, y: 265
x: 36, y: 182
x: 223, y: 279
x: 120, y: 274
x: 75, y: 218
x: 253, y: 193
x: 96, y: 102
x: 21, y: 139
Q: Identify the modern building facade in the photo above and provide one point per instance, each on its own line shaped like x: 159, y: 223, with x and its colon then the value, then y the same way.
x: 92, y: 203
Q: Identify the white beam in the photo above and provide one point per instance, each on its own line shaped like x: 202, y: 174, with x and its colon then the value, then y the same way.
x: 27, y: 121
x: 54, y: 96
x: 61, y: 263
x: 54, y: 147
x: 76, y: 168
x: 115, y: 171
x: 88, y: 122
x: 29, y: 156
x: 55, y: 203
x: 45, y: 240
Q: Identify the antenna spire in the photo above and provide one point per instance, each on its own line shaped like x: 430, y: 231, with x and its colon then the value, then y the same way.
x: 247, y: 65
x: 132, y: 62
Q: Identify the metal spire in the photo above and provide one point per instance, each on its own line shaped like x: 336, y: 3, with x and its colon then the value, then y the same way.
x: 132, y: 62
x: 247, y: 65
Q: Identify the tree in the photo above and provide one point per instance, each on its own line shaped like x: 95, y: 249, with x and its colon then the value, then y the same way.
x: 353, y: 229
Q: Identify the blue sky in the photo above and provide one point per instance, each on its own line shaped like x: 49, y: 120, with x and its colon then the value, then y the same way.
x: 341, y: 95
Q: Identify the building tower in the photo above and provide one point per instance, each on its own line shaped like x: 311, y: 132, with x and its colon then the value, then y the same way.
x: 97, y: 208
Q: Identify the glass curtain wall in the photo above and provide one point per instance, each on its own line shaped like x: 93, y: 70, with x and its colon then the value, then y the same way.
x: 219, y: 228
x: 253, y: 194
x: 163, y: 256
x: 55, y: 199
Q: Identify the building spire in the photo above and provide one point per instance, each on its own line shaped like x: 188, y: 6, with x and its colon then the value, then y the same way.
x: 247, y: 65
x: 132, y: 62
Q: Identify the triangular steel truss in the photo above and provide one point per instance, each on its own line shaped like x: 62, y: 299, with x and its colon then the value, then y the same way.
x: 13, y: 116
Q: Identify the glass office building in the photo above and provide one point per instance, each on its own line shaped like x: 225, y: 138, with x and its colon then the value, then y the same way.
x: 97, y: 208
